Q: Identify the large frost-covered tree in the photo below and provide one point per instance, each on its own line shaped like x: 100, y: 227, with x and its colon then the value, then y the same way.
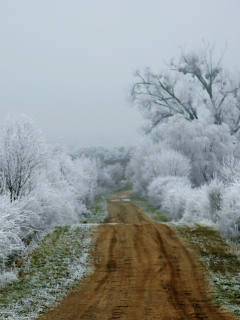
x: 151, y: 160
x: 206, y: 145
x: 195, y: 85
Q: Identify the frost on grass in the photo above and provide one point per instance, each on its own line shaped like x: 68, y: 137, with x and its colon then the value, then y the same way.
x: 227, y: 291
x: 220, y: 262
x: 53, y: 269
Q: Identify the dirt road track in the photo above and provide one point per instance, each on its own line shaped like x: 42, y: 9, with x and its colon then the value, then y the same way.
x: 143, y: 271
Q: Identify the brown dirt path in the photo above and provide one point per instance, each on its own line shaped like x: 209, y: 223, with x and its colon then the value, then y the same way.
x: 143, y: 271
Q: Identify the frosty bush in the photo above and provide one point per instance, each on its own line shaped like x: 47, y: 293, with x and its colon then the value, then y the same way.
x: 176, y: 194
x: 205, y: 203
x: 66, y: 187
x: 159, y: 186
x: 12, y: 223
x: 166, y: 163
x: 229, y: 218
x: 176, y: 197
x: 230, y: 170
x: 151, y: 160
x: 41, y: 186
x: 79, y: 176
x: 197, y: 206
x: 215, y: 191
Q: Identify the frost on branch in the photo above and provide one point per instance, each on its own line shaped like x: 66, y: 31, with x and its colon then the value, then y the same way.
x: 23, y: 155
x: 193, y: 109
x: 41, y: 187
x: 196, y: 86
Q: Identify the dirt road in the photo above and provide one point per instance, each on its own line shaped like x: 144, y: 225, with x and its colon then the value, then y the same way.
x: 143, y: 271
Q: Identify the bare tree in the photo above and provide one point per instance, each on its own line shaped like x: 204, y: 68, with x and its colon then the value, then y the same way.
x: 197, y: 81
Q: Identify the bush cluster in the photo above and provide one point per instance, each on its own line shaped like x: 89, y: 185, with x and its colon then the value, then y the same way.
x: 42, y: 186
x: 166, y: 178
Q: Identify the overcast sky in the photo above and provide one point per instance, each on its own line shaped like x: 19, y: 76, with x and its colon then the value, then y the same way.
x: 67, y: 63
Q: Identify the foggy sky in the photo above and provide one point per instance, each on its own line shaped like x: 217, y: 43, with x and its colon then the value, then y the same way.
x: 67, y: 63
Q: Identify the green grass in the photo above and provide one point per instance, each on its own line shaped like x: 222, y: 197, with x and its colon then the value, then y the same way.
x: 221, y: 264
x: 149, y: 209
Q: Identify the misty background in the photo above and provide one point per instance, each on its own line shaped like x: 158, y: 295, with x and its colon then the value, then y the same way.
x: 68, y: 64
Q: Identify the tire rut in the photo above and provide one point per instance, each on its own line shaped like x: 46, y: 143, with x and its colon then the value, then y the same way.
x: 142, y: 272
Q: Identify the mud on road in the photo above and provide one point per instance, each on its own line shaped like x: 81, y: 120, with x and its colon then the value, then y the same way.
x: 143, y: 271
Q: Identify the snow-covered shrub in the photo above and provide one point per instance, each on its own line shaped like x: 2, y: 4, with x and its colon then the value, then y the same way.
x: 161, y: 185
x: 151, y: 160
x: 13, y: 229
x: 230, y: 170
x: 198, y: 207
x: 85, y: 181
x: 229, y: 218
x: 79, y: 176
x: 64, y: 190
x: 166, y: 163
x: 215, y: 190
x: 156, y: 190
x: 51, y: 205
x: 205, y: 203
x: 41, y: 186
x: 61, y: 192
x: 162, y: 174
x: 175, y: 196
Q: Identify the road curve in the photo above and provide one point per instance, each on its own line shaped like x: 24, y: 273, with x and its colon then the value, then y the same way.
x: 143, y: 271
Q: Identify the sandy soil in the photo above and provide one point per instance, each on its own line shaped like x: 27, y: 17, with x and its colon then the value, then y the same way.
x: 143, y: 271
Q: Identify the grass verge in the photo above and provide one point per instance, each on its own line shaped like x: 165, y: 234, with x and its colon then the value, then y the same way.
x: 221, y: 264
x: 52, y: 269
